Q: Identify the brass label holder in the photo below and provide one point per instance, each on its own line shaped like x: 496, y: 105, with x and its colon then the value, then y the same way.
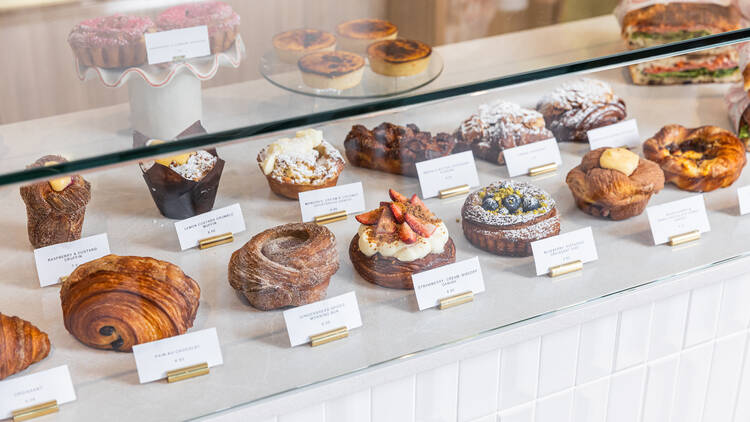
x: 679, y: 239
x: 35, y: 411
x: 217, y: 240
x: 566, y: 268
x: 543, y: 169
x: 456, y: 300
x: 329, y: 336
x: 331, y: 217
x: 187, y: 373
x: 454, y: 191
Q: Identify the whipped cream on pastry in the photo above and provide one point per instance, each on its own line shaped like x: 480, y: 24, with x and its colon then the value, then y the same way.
x: 370, y: 244
x: 306, y: 158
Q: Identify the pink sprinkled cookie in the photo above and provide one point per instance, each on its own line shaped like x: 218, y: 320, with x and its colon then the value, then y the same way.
x: 111, y: 41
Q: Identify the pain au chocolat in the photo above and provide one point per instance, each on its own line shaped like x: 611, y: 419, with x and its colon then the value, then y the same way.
x: 116, y: 302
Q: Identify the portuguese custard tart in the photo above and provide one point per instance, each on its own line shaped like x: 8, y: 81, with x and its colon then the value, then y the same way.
x: 358, y: 34
x: 399, y: 57
x: 506, y: 216
x: 700, y: 159
x: 305, y: 162
x: 338, y: 70
x: 287, y: 265
x: 290, y: 46
x: 398, y: 239
x: 614, y: 183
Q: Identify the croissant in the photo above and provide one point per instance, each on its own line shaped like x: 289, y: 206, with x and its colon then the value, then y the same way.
x: 21, y: 345
x: 116, y: 302
x: 288, y: 265
x: 55, y: 209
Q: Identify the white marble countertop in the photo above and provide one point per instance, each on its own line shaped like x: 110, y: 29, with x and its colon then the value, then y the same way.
x: 258, y: 361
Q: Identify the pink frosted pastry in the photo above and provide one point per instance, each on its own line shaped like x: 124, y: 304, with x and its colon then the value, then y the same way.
x: 111, y: 41
x: 222, y: 22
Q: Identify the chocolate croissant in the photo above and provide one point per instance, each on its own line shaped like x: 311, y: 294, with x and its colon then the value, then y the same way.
x: 21, y: 345
x: 116, y: 302
x: 288, y: 265
x: 55, y: 209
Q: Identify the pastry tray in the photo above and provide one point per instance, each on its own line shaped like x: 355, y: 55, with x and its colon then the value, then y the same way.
x: 258, y: 361
x: 373, y: 85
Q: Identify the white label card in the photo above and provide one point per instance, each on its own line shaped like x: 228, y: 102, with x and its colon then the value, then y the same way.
x: 520, y: 159
x: 743, y: 194
x: 314, y: 203
x: 55, y: 261
x: 677, y: 217
x: 177, y: 44
x: 621, y: 134
x: 448, y: 280
x: 31, y: 390
x: 564, y: 248
x: 153, y: 360
x: 305, y: 321
x: 447, y: 172
x: 191, y: 231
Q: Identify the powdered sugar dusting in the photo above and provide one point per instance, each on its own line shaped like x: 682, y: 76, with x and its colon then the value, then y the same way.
x: 196, y: 166
x: 503, y: 120
x: 578, y: 94
x: 473, y: 211
x: 313, y: 166
x: 543, y: 229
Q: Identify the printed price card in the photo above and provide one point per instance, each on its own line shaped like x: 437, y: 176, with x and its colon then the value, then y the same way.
x: 305, y: 321
x: 177, y: 44
x: 55, y: 261
x: 191, y: 231
x: 31, y: 390
x: 153, y: 360
x: 564, y: 248
x: 447, y: 172
x: 621, y: 134
x: 520, y: 160
x: 449, y: 280
x: 314, y: 203
x: 677, y: 217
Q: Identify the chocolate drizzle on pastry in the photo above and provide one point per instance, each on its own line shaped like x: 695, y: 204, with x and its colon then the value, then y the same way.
x: 397, y: 149
x: 579, y: 106
x: 288, y: 265
x: 116, y: 302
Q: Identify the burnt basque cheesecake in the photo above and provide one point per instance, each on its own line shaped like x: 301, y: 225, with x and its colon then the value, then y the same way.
x: 506, y: 216
x: 332, y: 69
x: 399, y: 57
x: 398, y: 239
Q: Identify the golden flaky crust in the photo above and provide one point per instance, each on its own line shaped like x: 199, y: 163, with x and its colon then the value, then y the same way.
x: 116, y: 302
x: 674, y: 17
x: 288, y: 265
x: 390, y: 272
x: 700, y: 159
x: 610, y: 193
x: 55, y: 217
x: 21, y: 345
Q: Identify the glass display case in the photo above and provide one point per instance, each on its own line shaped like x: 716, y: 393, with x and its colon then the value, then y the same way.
x: 134, y: 120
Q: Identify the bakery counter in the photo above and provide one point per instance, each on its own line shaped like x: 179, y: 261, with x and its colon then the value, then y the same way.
x: 258, y: 360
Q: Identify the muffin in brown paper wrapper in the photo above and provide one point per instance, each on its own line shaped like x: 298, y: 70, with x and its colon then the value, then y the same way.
x: 180, y: 198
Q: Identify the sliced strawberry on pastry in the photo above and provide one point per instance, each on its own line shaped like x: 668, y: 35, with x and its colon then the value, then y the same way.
x: 370, y: 218
x: 420, y: 227
x: 415, y: 200
x: 398, y: 211
x: 397, y: 196
x: 406, y: 234
x: 386, y: 223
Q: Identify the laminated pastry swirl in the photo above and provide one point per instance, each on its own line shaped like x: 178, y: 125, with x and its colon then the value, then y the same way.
x: 700, y: 159
x: 609, y: 193
x: 21, y: 345
x: 288, y: 265
x: 489, y: 224
x: 116, y: 302
x: 579, y: 106
x: 55, y: 216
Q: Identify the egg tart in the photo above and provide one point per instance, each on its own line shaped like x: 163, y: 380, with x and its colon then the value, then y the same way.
x: 399, y: 57
x: 332, y: 69
x: 358, y: 34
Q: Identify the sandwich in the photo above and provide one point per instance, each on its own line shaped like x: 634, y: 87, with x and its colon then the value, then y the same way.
x: 738, y: 102
x: 671, y: 22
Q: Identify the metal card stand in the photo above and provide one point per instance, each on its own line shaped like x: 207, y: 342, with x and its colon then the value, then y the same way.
x: 566, y: 268
x: 331, y: 218
x: 329, y: 336
x: 680, y: 239
x: 35, y: 411
x: 544, y: 169
x: 459, y: 299
x: 217, y: 240
x: 455, y: 191
x: 187, y: 373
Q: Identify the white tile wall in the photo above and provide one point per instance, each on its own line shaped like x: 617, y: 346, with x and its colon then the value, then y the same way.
x: 680, y: 359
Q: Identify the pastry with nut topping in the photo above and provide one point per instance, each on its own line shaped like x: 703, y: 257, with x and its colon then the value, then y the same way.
x: 303, y: 163
x: 506, y: 216
x: 614, y: 183
x: 55, y: 209
x: 398, y: 239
